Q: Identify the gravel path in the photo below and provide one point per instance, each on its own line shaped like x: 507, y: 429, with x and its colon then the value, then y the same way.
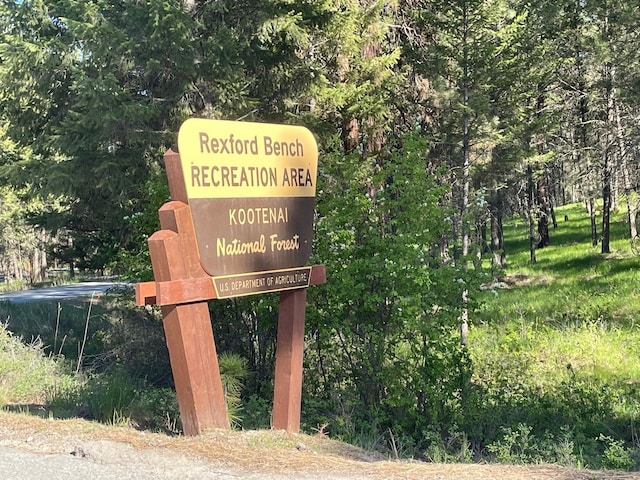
x: 33, y: 448
x: 106, y: 460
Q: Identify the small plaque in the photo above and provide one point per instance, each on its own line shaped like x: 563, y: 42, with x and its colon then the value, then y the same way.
x: 261, y: 282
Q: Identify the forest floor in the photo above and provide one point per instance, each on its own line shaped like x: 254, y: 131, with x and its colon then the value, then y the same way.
x: 264, y: 455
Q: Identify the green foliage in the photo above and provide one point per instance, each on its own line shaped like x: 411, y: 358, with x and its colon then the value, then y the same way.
x: 27, y: 375
x: 19, y: 239
x: 117, y: 398
x: 362, y: 77
x: 99, y: 111
x: 616, y: 455
x: 384, y: 352
x: 233, y: 371
x: 453, y: 447
x: 256, y: 413
x: 520, y: 446
x: 247, y: 326
x: 108, y: 398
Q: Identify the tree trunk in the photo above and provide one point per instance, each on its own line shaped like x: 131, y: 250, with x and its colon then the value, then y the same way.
x: 607, y: 161
x: 498, y: 259
x: 466, y: 144
x: 552, y: 194
x: 631, y: 197
x: 445, y: 256
x: 606, y: 207
x: 542, y: 201
x: 632, y: 214
x: 350, y: 135
x: 15, y: 263
x: 531, y: 215
x: 594, y: 225
x: 480, y: 242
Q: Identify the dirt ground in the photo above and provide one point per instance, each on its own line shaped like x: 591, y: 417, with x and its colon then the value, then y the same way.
x: 273, y: 455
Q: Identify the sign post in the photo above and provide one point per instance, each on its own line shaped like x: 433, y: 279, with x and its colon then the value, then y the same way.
x: 240, y: 223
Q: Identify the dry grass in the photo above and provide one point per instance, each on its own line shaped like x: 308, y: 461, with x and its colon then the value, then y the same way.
x: 264, y: 452
x: 522, y: 280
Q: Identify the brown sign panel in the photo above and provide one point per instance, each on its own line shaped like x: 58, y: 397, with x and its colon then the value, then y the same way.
x: 251, y: 189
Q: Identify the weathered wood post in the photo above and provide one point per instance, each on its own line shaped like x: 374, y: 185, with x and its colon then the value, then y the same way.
x: 215, y: 243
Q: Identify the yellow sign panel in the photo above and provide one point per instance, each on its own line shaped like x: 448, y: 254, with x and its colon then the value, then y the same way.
x: 228, y: 159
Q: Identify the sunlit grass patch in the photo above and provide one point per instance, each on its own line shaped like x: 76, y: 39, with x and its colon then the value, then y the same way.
x: 557, y: 351
x: 27, y: 376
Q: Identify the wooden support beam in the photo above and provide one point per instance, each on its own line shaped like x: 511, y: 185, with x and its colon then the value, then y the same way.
x: 287, y: 394
x: 175, y: 178
x: 192, y: 350
x: 145, y: 293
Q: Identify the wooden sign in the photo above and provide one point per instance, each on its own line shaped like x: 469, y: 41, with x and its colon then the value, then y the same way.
x: 240, y: 222
x: 251, y: 188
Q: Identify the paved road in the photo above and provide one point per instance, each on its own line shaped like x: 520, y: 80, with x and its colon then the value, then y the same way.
x: 62, y: 292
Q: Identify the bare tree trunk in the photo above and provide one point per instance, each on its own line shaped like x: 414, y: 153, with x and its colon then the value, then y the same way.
x: 631, y: 197
x: 552, y: 193
x: 542, y: 201
x: 606, y: 207
x: 350, y: 135
x: 17, y: 264
x: 503, y: 251
x: 531, y: 215
x: 479, y: 242
x: 496, y: 255
x: 466, y: 145
x: 607, y: 161
x: 594, y: 226
x: 632, y: 214
x: 498, y: 259
x: 34, y: 266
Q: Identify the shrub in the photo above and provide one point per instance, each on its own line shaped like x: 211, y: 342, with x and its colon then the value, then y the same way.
x: 616, y: 455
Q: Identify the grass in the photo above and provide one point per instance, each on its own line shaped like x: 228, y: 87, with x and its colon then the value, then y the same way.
x: 114, y: 355
x: 571, y: 281
x: 27, y: 374
x: 59, y: 326
x: 571, y: 284
x: 109, y: 354
x: 559, y: 348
